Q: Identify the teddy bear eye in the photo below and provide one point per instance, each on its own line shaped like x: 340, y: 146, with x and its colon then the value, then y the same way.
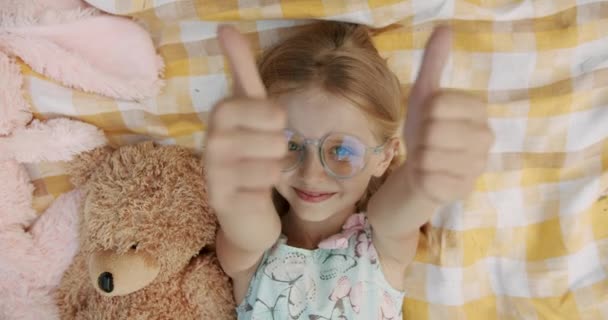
x: 134, y: 247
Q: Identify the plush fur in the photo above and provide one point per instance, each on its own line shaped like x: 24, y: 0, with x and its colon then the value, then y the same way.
x: 36, y: 250
x: 82, y: 48
x: 14, y: 110
x: 145, y: 203
x: 33, y: 261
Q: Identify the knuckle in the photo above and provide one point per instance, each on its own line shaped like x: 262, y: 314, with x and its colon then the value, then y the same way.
x: 481, y: 164
x: 426, y: 158
x: 474, y: 135
x: 477, y: 166
x: 278, y: 167
x: 484, y: 141
x: 280, y: 112
x: 223, y: 179
x: 430, y: 127
x: 273, y: 169
x: 269, y: 148
x: 469, y: 185
x: 481, y: 108
x: 222, y: 109
x: 277, y: 116
x: 210, y: 144
x: 278, y: 145
x: 438, y: 99
x: 215, y: 145
x: 489, y: 138
x: 218, y: 199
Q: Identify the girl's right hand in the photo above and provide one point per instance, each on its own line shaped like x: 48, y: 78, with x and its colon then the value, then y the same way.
x: 245, y: 140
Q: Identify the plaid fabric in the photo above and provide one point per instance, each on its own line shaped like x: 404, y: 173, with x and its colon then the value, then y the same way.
x: 532, y: 241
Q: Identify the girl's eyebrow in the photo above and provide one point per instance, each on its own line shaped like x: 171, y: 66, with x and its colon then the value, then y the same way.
x: 330, y: 132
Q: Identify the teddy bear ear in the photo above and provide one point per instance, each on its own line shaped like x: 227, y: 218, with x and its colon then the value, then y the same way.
x: 82, y: 166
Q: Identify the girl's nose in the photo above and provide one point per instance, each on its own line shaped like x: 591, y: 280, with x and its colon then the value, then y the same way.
x: 311, y: 167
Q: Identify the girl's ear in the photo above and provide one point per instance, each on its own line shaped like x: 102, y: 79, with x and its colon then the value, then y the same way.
x: 82, y: 166
x: 390, y: 151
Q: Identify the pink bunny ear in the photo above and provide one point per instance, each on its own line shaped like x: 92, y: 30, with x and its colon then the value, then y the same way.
x: 109, y: 55
x: 14, y: 110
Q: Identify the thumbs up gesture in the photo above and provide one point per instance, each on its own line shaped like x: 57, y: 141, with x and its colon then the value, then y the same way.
x: 446, y: 134
x: 245, y: 140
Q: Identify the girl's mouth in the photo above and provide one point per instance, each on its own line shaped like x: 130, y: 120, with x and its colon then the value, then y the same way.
x: 311, y: 196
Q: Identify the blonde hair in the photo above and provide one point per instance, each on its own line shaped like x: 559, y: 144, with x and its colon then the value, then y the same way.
x: 341, y: 59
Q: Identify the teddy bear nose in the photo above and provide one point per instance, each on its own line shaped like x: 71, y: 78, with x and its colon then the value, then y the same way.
x: 106, y: 282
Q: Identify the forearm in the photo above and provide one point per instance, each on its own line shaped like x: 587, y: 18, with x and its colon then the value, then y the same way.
x: 255, y: 231
x: 396, y: 210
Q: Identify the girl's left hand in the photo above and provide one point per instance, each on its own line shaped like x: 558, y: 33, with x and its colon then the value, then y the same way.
x: 447, y: 134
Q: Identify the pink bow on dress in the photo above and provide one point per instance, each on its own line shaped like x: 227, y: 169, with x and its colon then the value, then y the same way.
x: 353, y: 224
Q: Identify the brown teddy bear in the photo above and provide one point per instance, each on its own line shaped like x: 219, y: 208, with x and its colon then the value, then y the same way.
x: 147, y: 239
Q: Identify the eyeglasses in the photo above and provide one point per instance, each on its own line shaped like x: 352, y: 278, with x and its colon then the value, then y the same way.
x: 341, y: 155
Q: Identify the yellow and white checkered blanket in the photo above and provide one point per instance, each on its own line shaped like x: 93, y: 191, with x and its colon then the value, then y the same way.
x: 532, y: 241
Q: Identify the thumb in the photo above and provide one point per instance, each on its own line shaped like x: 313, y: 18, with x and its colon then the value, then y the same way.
x: 427, y: 83
x: 435, y: 57
x: 245, y: 75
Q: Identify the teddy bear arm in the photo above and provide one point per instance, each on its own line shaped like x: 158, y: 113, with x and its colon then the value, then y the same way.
x: 210, y: 289
x: 74, y: 289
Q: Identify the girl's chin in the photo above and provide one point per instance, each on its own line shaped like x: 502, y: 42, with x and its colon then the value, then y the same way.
x: 314, y: 213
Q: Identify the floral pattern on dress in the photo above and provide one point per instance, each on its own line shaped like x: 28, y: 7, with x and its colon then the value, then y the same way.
x: 340, y: 280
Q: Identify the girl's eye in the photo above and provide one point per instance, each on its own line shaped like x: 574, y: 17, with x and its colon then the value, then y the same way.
x: 292, y: 146
x: 342, y: 152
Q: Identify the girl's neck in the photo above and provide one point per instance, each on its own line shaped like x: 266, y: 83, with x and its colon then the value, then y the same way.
x: 307, y: 234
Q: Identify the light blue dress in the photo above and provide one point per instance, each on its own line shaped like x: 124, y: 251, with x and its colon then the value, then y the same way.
x: 342, y: 279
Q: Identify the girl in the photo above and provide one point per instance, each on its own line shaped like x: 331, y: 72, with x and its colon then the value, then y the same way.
x: 319, y: 217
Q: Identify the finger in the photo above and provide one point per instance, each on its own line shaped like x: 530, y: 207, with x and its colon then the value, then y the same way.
x: 437, y: 187
x: 458, y: 106
x: 244, y: 175
x: 455, y: 163
x: 247, y: 114
x: 455, y: 135
x: 435, y: 57
x: 427, y: 83
x: 251, y: 201
x: 245, y: 75
x: 246, y: 144
x: 444, y: 187
x: 255, y: 174
x: 258, y: 200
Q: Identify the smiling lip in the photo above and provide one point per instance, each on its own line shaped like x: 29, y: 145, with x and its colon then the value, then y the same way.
x: 311, y: 196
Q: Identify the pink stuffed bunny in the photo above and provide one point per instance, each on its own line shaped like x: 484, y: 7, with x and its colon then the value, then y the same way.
x: 34, y: 255
x: 80, y: 47
x: 35, y: 252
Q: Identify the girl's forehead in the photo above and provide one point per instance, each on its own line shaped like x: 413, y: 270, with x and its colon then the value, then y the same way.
x: 315, y: 113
